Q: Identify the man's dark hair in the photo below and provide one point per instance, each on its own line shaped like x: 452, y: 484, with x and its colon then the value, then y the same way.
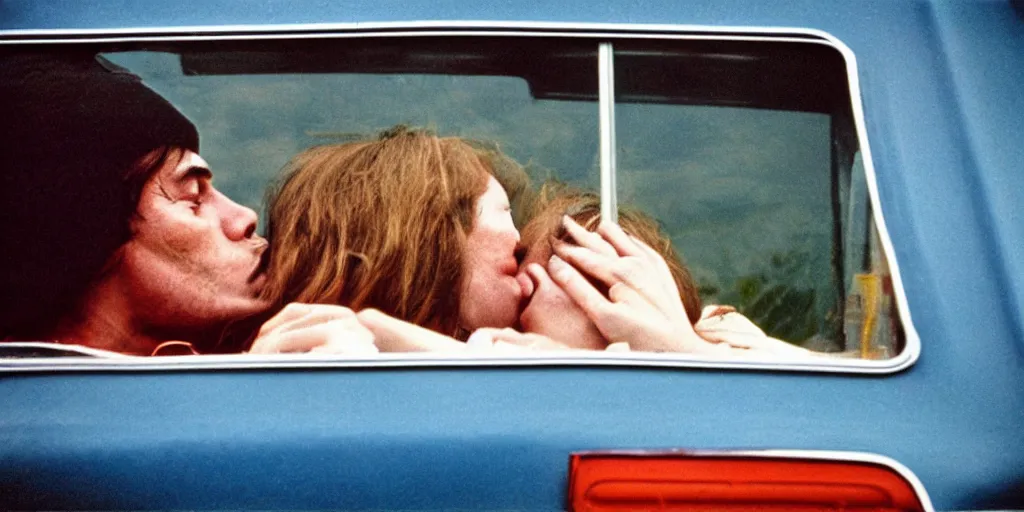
x: 73, y: 132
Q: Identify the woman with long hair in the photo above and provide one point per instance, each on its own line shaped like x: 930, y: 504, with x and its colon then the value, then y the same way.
x: 411, y: 224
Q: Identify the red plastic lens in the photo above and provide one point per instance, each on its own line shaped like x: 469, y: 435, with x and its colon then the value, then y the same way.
x: 679, y: 481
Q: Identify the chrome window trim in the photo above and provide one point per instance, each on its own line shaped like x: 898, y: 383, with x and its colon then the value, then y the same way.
x: 376, y: 29
x: 571, y: 33
x: 813, y: 455
x: 606, y: 122
x: 904, y: 360
x: 427, y: 359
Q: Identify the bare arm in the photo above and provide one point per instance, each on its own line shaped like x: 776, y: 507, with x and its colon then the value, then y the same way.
x: 314, y: 328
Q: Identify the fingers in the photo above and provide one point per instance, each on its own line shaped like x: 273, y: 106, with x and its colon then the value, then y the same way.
x: 290, y: 312
x: 608, y: 270
x: 486, y: 336
x: 394, y: 335
x: 490, y: 339
x: 657, y: 261
x: 609, y: 239
x: 593, y: 263
x: 314, y: 315
x: 640, y: 246
x: 514, y: 337
x: 539, y: 277
x: 346, y: 336
x: 622, y: 289
x: 362, y: 345
x: 339, y: 335
x: 635, y: 265
x: 624, y: 244
x: 510, y: 340
x: 623, y: 294
x: 577, y: 287
x: 610, y: 255
x: 481, y: 339
x: 584, y: 238
x: 723, y: 338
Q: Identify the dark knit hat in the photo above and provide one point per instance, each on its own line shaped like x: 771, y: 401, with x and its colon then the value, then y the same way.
x: 70, y: 129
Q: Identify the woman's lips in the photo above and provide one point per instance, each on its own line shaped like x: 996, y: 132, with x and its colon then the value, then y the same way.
x: 510, y: 267
x: 525, y: 284
x: 529, y: 279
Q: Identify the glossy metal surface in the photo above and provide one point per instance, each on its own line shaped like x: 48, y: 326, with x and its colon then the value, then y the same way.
x: 943, y: 108
x: 412, y: 30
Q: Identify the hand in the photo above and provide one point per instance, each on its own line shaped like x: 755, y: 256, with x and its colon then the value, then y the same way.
x: 511, y: 340
x: 318, y: 328
x: 394, y: 335
x: 724, y: 325
x: 642, y: 306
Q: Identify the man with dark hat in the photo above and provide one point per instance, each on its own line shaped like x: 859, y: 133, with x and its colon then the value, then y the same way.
x: 113, y: 236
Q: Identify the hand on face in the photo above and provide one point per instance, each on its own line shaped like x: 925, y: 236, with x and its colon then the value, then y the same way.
x: 550, y: 311
x: 642, y: 306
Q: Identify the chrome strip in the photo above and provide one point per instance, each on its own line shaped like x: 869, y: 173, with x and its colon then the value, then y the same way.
x: 901, y: 362
x: 821, y: 455
x: 606, y: 106
x: 407, y: 33
x: 913, y: 349
x: 257, y: 30
x: 61, y: 348
x: 434, y: 359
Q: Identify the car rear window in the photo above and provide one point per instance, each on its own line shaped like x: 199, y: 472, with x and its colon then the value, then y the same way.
x: 746, y: 148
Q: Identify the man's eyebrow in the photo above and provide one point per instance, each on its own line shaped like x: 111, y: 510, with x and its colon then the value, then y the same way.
x: 195, y: 171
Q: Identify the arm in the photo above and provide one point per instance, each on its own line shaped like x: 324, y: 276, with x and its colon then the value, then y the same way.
x: 322, y: 328
x: 723, y: 324
x: 394, y: 335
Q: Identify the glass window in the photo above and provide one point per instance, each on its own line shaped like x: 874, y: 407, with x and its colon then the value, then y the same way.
x: 736, y: 148
x: 744, y: 149
x: 256, y: 107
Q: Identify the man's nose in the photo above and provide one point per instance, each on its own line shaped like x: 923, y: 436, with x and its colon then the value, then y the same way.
x: 237, y: 221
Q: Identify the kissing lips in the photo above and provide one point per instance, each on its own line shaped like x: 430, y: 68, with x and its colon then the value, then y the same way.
x: 529, y: 280
x: 261, y: 263
x: 525, y: 284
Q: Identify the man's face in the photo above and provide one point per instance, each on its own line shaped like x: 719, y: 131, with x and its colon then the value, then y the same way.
x: 193, y: 260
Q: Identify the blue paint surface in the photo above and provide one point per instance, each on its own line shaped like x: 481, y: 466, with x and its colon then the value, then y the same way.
x: 945, y: 118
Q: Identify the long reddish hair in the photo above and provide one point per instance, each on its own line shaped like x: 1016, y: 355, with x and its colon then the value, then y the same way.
x: 376, y: 224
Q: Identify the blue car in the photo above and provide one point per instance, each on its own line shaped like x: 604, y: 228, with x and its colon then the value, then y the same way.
x: 845, y: 174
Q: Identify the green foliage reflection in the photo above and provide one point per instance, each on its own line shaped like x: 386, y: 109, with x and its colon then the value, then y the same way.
x: 771, y: 298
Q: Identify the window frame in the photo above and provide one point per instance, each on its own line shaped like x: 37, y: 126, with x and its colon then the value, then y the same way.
x: 902, y: 361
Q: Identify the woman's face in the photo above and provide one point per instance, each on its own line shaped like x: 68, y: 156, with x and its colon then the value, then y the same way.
x: 549, y: 310
x: 491, y: 293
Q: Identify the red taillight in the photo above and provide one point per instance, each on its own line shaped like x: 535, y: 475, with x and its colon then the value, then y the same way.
x: 681, y: 481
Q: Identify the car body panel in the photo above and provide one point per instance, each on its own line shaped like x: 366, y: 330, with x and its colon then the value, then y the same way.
x: 943, y: 110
